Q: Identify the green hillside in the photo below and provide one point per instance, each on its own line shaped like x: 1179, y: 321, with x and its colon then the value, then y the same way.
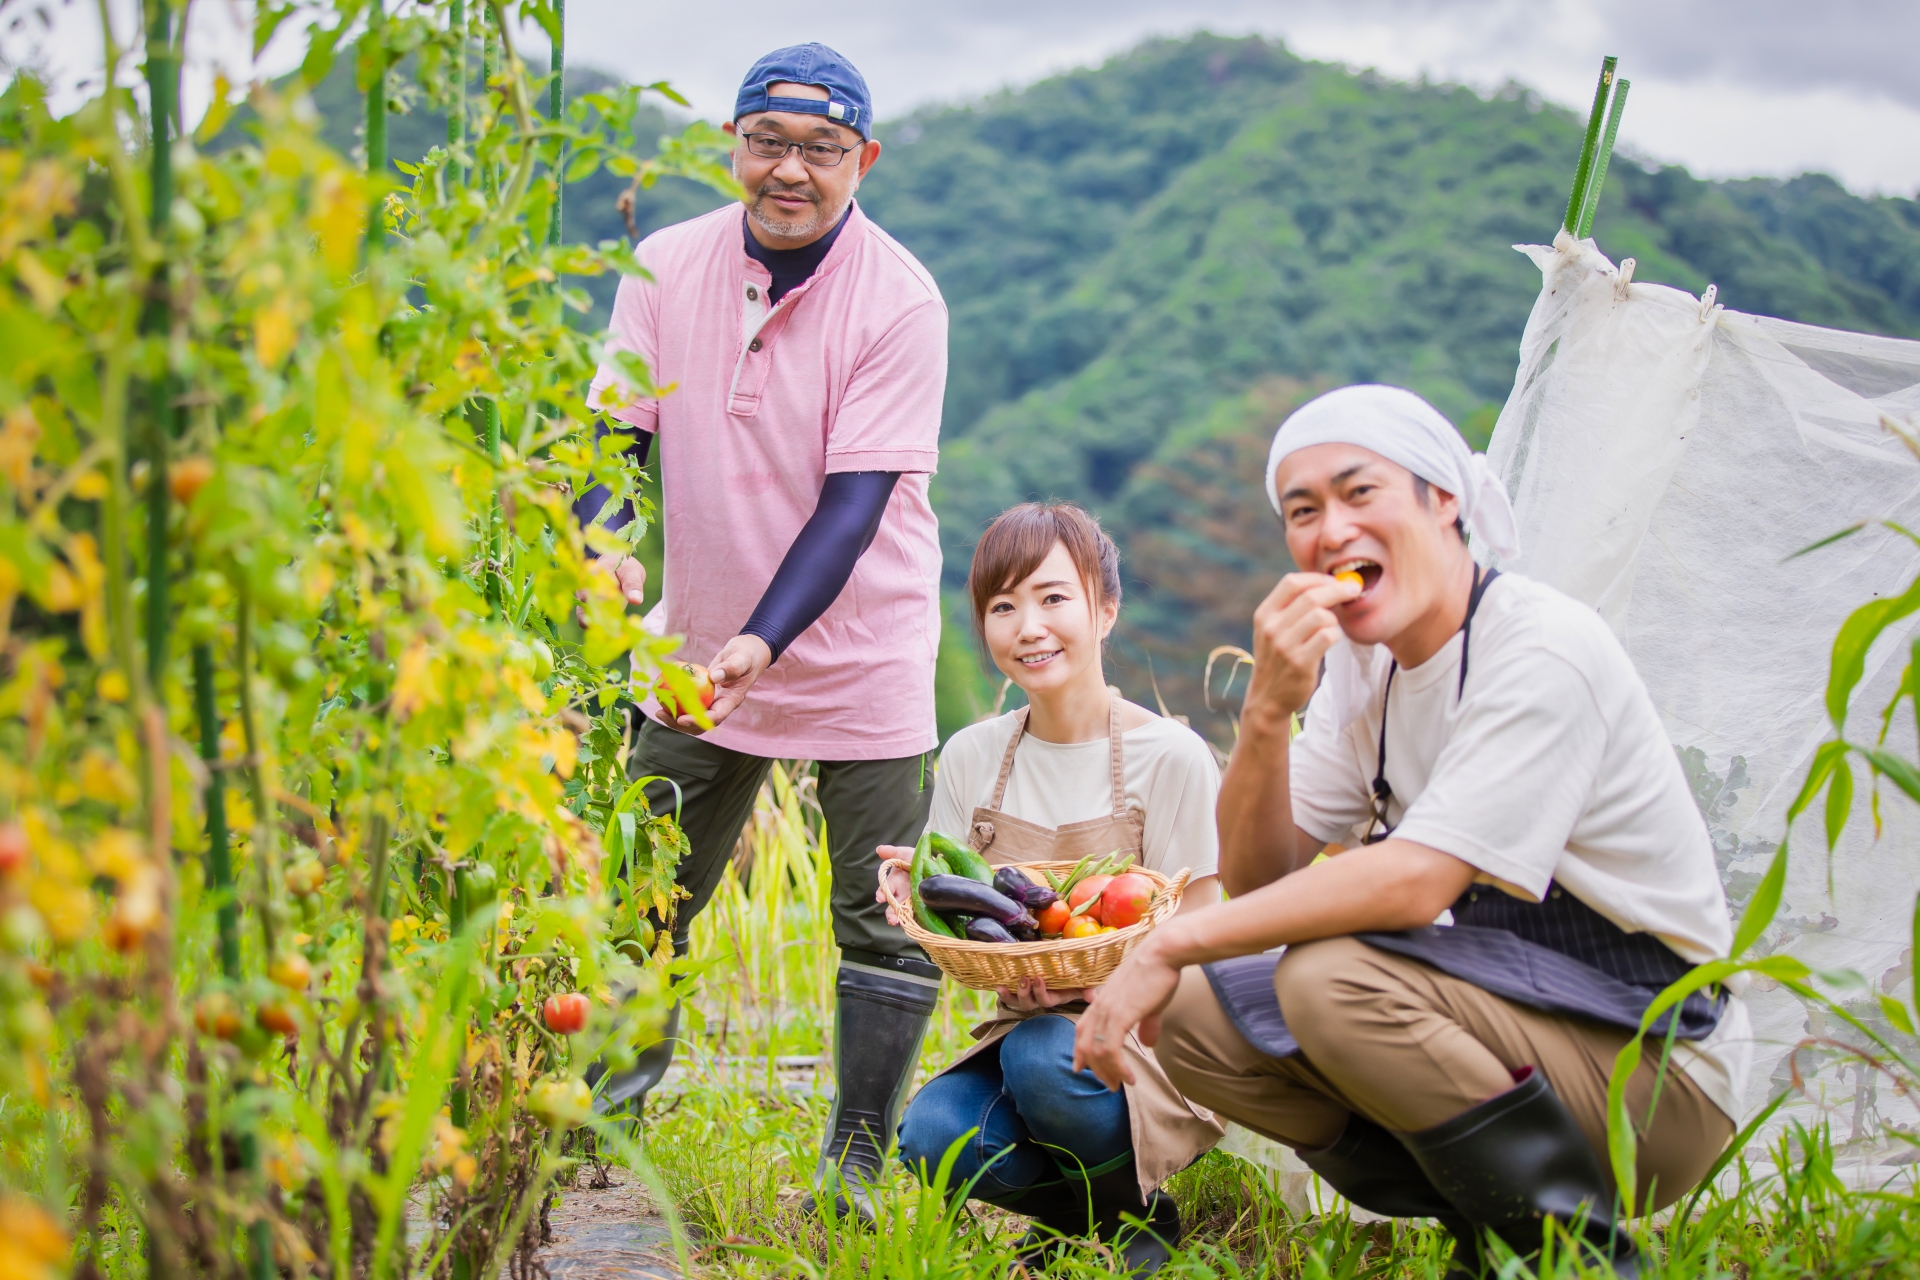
x: 1149, y: 262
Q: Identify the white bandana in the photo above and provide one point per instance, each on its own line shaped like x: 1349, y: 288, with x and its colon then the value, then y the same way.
x: 1400, y: 427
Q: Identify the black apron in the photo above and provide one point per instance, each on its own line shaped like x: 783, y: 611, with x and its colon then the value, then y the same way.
x: 1559, y: 955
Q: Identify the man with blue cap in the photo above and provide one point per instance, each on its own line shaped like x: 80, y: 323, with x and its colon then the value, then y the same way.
x: 804, y: 352
x: 1475, y: 743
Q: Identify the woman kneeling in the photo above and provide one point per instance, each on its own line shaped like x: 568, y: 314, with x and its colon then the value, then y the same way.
x: 1077, y: 771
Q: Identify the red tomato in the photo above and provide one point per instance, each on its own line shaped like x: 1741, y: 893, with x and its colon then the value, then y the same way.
x: 187, y: 476
x: 702, y: 688
x: 277, y: 1018
x: 1081, y: 928
x: 565, y: 1014
x: 1086, y: 889
x: 1053, y: 920
x: 13, y: 848
x: 216, y: 1016
x: 1125, y: 900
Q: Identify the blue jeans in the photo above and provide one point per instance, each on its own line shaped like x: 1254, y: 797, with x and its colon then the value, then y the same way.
x: 1038, y: 1119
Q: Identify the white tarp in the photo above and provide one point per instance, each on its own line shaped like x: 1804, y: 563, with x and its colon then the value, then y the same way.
x: 1666, y: 457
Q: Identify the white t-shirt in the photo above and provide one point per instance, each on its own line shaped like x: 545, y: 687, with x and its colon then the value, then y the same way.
x: 1553, y: 766
x: 1169, y: 775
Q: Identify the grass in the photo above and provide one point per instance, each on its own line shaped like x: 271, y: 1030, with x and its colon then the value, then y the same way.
x: 732, y: 1142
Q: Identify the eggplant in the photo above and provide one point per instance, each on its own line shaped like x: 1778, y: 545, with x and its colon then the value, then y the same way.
x: 1035, y: 897
x: 981, y: 929
x: 959, y: 894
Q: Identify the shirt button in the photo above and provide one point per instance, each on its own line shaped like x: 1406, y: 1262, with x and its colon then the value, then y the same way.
x: 753, y: 294
x: 754, y: 345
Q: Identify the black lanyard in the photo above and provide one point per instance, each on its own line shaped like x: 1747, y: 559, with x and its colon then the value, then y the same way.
x: 1382, y: 791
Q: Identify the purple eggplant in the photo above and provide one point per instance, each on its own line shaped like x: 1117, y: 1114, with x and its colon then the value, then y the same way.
x: 981, y: 929
x: 1035, y: 897
x: 959, y: 895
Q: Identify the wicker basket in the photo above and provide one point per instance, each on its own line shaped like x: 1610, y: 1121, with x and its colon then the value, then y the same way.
x: 1063, y: 962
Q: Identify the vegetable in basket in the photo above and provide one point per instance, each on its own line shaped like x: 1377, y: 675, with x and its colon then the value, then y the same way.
x: 957, y: 895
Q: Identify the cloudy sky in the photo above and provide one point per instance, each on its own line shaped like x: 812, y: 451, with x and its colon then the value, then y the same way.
x: 1727, y: 87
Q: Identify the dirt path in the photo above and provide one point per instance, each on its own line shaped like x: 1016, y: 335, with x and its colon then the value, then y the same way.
x: 609, y: 1234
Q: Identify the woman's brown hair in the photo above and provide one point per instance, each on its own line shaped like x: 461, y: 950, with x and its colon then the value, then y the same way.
x: 1021, y: 537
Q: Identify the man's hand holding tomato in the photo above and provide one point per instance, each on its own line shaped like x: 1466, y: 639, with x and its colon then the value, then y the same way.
x: 733, y: 671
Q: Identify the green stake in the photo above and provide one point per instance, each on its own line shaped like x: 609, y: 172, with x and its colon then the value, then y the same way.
x: 377, y: 95
x: 457, y: 109
x: 1592, y: 203
x: 1576, y: 200
x: 163, y: 93
x: 556, y: 104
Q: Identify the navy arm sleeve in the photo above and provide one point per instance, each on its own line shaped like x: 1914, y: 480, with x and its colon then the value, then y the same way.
x: 588, y: 505
x: 822, y: 557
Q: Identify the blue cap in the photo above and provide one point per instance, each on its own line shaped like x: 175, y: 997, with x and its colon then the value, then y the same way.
x: 847, y: 100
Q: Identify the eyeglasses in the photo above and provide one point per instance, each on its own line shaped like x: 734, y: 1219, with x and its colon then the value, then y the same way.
x: 821, y: 155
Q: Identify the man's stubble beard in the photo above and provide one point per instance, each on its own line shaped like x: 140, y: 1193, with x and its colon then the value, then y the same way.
x: 823, y: 218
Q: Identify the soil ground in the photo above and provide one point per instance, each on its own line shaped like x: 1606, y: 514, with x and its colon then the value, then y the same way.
x: 609, y: 1233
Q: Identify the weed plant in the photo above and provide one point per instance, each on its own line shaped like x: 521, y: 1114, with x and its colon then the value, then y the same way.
x: 730, y: 1140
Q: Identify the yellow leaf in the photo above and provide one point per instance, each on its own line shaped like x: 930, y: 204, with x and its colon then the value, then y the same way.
x: 118, y: 854
x: 17, y: 440
x: 106, y: 779
x: 413, y: 685
x: 65, y: 909
x: 112, y: 685
x: 63, y: 590
x: 32, y: 1245
x: 339, y: 214
x: 273, y: 328
x: 47, y: 289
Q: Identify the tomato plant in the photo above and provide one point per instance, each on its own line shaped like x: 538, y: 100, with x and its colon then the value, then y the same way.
x: 311, y: 706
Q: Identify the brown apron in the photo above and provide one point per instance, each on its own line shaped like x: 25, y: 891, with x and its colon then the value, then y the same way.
x: 1169, y: 1133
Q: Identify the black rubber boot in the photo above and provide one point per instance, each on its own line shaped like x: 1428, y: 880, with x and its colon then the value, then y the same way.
x: 1374, y: 1170
x: 1515, y: 1160
x: 1060, y: 1211
x: 1144, y: 1230
x: 626, y: 1091
x: 883, y: 1004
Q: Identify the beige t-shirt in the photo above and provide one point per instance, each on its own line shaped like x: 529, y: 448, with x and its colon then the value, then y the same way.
x: 1170, y: 777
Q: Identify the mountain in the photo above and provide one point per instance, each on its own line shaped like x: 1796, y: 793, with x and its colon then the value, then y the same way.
x: 1149, y: 262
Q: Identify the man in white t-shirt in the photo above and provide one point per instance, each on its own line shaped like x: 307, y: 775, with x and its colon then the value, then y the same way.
x: 1481, y: 744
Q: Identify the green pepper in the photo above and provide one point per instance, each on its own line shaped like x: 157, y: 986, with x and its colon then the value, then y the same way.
x: 925, y: 864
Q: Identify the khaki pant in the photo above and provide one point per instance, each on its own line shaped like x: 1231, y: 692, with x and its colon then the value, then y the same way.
x: 1409, y: 1047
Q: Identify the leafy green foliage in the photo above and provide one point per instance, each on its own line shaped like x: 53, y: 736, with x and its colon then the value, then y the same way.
x: 288, y: 471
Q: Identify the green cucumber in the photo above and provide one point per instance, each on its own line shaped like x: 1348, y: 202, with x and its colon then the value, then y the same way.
x: 962, y: 860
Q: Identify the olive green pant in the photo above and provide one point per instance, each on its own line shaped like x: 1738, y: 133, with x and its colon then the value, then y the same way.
x: 866, y: 803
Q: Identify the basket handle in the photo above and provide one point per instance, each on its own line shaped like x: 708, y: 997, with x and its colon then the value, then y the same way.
x: 886, y: 884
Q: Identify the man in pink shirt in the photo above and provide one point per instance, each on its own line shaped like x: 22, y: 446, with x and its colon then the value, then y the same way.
x: 806, y: 354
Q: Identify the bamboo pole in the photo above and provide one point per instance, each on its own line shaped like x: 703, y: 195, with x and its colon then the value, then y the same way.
x: 1576, y: 200
x: 1591, y: 205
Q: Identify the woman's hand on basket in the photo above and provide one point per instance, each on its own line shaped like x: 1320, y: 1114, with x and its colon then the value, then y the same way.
x: 901, y: 882
x: 1133, y: 997
x: 1032, y: 995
